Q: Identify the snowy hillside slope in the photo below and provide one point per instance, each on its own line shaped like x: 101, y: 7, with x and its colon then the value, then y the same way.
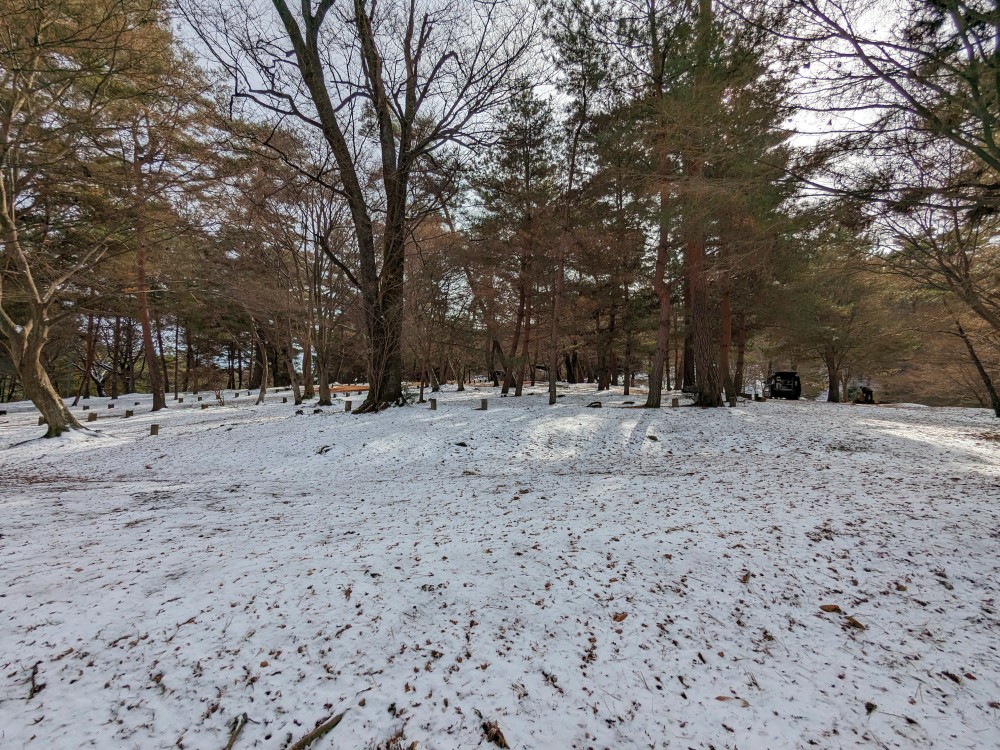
x: 778, y: 575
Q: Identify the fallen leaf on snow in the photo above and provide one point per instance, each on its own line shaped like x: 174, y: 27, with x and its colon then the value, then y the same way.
x: 742, y: 703
x: 492, y: 731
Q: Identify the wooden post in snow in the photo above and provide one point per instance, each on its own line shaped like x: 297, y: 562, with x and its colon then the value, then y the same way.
x: 347, y: 405
x: 482, y: 401
x: 154, y: 430
x: 92, y: 417
x: 434, y: 404
x: 674, y: 403
x: 128, y: 413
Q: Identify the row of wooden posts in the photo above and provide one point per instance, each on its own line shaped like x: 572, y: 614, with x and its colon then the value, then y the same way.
x: 154, y: 429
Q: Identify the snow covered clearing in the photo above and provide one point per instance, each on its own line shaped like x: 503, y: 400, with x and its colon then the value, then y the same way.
x: 778, y: 575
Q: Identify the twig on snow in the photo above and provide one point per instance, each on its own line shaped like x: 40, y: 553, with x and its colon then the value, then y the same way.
x: 237, y: 727
x: 318, y: 732
x: 189, y: 621
x: 36, y: 687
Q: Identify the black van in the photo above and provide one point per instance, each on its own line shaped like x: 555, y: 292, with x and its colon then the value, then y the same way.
x: 785, y: 385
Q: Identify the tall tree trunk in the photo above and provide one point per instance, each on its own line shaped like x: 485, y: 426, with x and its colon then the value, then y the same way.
x: 116, y: 356
x: 162, y: 357
x: 293, y: 376
x: 525, y: 350
x: 323, y: 363
x: 983, y: 374
x: 510, y: 376
x: 385, y: 355
x: 432, y: 378
x: 741, y: 347
x: 662, y: 290
x: 557, y: 288
x: 189, y: 360
x: 725, y: 345
x: 26, y: 346
x: 707, y: 382
x: 689, y: 379
x: 832, y: 372
x: 177, y: 357
x: 308, y: 381
x: 88, y: 365
x: 129, y: 363
x: 628, y: 356
x: 149, y: 348
x: 257, y: 374
x: 498, y: 352
x: 263, y: 363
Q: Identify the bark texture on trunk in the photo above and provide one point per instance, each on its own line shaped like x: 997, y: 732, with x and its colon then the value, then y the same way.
x: 707, y: 382
x: 983, y: 374
x: 145, y: 321
x: 554, y: 332
x: 833, y: 376
x: 26, y: 349
x: 88, y: 366
x: 741, y: 346
x: 725, y: 346
x: 661, y: 354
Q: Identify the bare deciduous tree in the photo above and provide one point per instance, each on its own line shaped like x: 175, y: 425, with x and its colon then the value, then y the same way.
x: 385, y: 85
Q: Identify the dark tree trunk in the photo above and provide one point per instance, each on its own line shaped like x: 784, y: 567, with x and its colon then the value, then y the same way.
x: 554, y: 332
x: 983, y: 374
x: 725, y: 346
x: 707, y: 381
x: 662, y: 290
x: 116, y: 355
x: 293, y: 376
x: 308, y: 380
x: 188, y: 360
x: 688, y: 384
x: 26, y: 349
x: 155, y: 375
x: 177, y: 357
x: 129, y: 363
x: 509, y: 376
x: 833, y: 379
x: 88, y: 365
x: 258, y: 374
x: 741, y: 347
x: 525, y: 350
x: 162, y: 356
x: 323, y: 364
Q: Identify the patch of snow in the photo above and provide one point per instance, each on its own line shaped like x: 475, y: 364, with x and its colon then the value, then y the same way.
x: 778, y: 575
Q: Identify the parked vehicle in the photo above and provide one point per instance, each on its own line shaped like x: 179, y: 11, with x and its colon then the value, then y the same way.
x: 785, y: 385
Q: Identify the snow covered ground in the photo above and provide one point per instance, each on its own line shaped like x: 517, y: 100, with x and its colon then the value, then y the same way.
x: 778, y: 575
